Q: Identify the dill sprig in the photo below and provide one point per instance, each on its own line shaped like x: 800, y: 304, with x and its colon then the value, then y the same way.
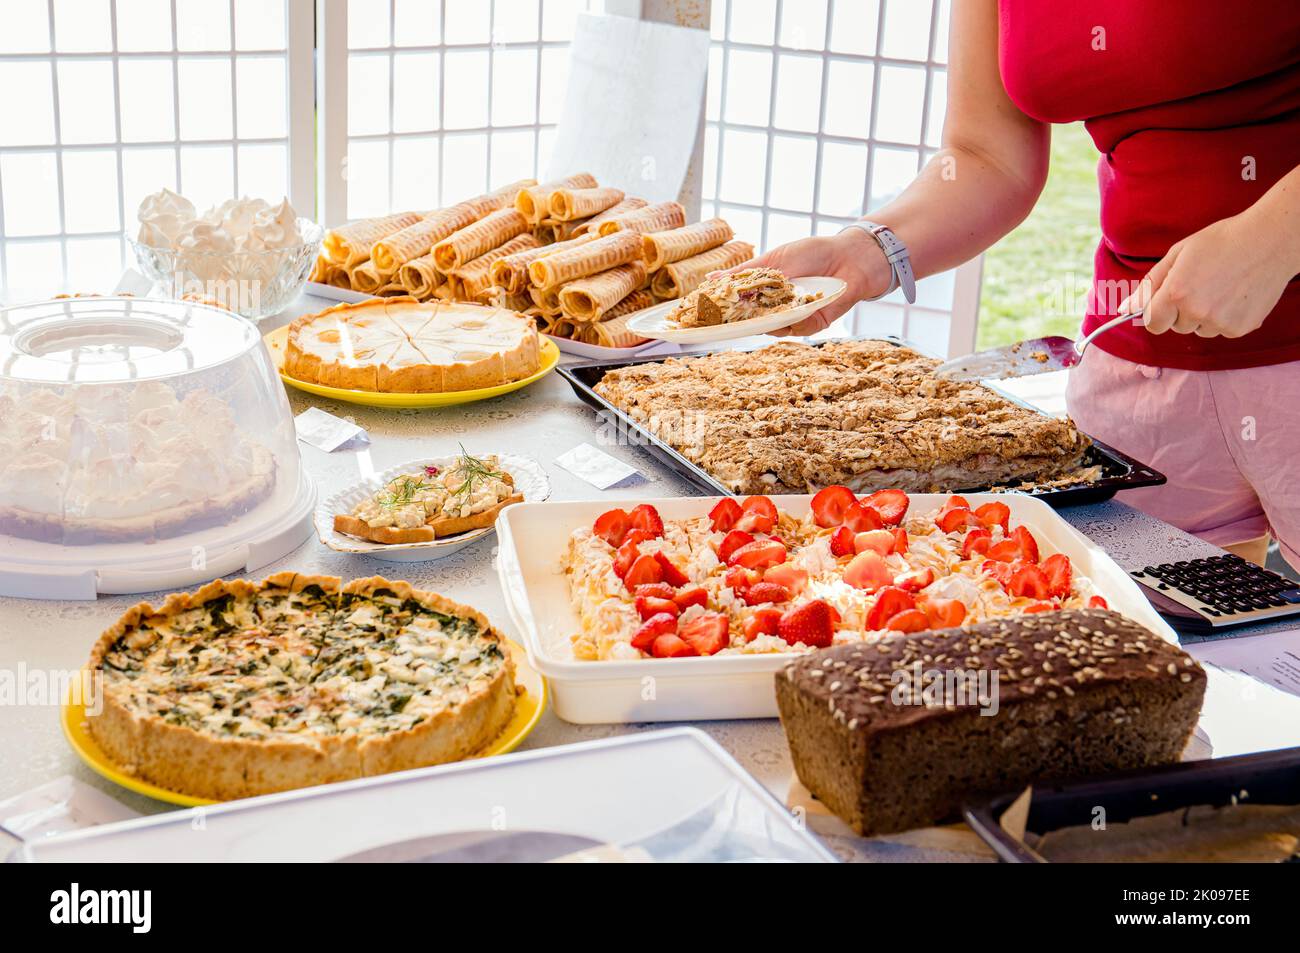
x: 403, y: 492
x: 474, y: 470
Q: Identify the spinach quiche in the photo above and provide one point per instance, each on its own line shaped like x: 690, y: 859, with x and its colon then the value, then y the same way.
x: 246, y: 688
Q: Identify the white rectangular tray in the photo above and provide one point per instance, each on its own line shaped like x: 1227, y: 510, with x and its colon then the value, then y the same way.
x: 533, y: 536
x: 616, y: 790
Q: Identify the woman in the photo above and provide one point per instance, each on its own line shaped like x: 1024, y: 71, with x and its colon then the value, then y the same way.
x: 1196, y: 111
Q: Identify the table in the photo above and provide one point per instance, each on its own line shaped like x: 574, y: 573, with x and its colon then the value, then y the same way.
x: 541, y: 421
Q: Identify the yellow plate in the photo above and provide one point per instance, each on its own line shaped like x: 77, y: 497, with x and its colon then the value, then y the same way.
x: 277, y: 339
x: 528, y: 711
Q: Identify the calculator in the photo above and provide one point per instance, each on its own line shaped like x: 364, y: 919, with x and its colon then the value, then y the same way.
x: 1202, y: 595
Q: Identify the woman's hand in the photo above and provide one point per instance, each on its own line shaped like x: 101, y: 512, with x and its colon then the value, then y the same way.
x: 852, y: 256
x: 1221, y: 281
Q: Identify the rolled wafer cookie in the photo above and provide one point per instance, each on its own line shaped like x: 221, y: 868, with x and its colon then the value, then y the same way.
x: 535, y: 203
x: 393, y: 289
x: 625, y: 207
x: 390, y: 253
x: 664, y: 248
x: 511, y: 272
x: 503, y: 197
x: 546, y: 299
x: 338, y: 277
x: 550, y: 231
x: 679, y: 279
x: 611, y: 332
x: 420, y: 276
x: 475, y: 276
x: 588, y: 298
x: 366, y: 278
x: 349, y: 245
x: 586, y: 259
x: 491, y: 231
x: 652, y: 218
x: 570, y: 204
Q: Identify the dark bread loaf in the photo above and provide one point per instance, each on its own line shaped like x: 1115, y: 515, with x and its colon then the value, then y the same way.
x: 1068, y: 694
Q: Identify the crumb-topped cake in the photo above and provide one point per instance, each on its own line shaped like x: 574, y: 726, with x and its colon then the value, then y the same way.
x: 738, y: 296
x: 899, y: 733
x: 246, y: 688
x: 746, y: 578
x: 790, y: 418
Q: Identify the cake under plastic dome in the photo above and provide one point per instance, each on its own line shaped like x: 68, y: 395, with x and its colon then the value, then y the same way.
x: 144, y: 444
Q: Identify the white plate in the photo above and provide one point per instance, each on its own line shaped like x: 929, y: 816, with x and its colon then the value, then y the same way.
x: 596, y: 352
x: 653, y: 322
x: 530, y: 479
x: 532, y: 539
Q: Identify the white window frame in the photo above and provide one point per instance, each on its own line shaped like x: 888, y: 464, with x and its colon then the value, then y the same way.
x: 299, y: 106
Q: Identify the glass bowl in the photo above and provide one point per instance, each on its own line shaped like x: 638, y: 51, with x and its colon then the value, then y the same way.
x: 253, y: 284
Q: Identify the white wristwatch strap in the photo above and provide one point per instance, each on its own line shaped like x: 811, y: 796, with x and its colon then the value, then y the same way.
x: 900, y: 262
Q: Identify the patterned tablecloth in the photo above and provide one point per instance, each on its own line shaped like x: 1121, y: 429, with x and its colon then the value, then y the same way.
x: 541, y: 421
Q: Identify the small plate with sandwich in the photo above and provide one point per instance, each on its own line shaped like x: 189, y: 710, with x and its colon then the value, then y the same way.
x: 735, y: 305
x: 427, y: 509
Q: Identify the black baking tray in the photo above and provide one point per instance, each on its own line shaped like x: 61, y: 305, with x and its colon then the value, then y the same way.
x: 1119, y: 471
x: 1272, y: 777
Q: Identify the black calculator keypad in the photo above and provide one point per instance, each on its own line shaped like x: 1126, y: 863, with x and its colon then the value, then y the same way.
x: 1225, y: 585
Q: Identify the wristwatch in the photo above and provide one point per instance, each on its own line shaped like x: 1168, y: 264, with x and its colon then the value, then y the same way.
x: 900, y: 263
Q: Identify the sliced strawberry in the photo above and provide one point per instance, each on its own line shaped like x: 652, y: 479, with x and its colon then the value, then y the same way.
x: 909, y: 620
x: 788, y: 575
x: 1097, y: 602
x: 671, y: 574
x: 868, y: 571
x: 889, y: 602
x: 764, y: 621
x: 672, y: 646
x: 612, y: 526
x: 766, y: 591
x: 955, y: 501
x: 627, y: 553
x: 759, y: 555
x: 724, y: 514
x: 1007, y: 551
x: 842, y: 542
x: 1060, y: 574
x: 645, y: 569
x: 830, y: 504
x: 732, y: 542
x: 860, y: 518
x: 998, y: 570
x: 915, y: 580
x: 890, y: 504
x: 759, y: 515
x: 944, y: 613
x: 1041, y: 607
x: 1028, y: 545
x: 877, y: 540
x: 656, y: 590
x: 957, y: 518
x: 708, y: 633
x: 811, y: 623
x: 695, y: 596
x: 1030, y: 582
x: 994, y: 514
x: 900, y: 540
x: 647, y: 519
x: 738, y: 578
x: 648, y: 606
x: 977, y: 542
x: 653, y: 627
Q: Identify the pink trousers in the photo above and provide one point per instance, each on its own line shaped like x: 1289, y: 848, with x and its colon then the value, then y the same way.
x: 1229, y: 442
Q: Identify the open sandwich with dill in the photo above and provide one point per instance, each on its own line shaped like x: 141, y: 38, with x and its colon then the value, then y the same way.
x: 433, y: 503
x: 244, y: 688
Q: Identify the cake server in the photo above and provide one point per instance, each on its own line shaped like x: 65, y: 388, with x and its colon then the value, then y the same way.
x: 1025, y: 358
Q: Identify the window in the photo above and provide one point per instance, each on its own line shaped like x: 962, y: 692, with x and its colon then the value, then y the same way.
x: 444, y: 98
x: 120, y: 98
x: 819, y: 109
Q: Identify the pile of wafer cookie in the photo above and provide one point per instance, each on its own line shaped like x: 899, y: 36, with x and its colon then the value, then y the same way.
x: 579, y: 258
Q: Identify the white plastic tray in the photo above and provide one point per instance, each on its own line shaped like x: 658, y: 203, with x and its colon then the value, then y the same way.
x: 532, y: 540
x: 617, y: 790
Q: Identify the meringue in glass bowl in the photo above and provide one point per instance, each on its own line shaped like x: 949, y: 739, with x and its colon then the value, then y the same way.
x: 246, y: 255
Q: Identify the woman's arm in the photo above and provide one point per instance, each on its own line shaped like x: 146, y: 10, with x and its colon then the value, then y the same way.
x: 978, y: 187
x: 1226, y: 278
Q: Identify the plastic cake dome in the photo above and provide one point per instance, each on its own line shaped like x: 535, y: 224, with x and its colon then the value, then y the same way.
x: 144, y: 444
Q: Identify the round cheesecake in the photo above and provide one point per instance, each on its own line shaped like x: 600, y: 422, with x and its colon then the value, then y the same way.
x: 400, y: 345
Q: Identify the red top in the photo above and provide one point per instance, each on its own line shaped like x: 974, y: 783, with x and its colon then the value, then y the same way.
x: 1179, y: 98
